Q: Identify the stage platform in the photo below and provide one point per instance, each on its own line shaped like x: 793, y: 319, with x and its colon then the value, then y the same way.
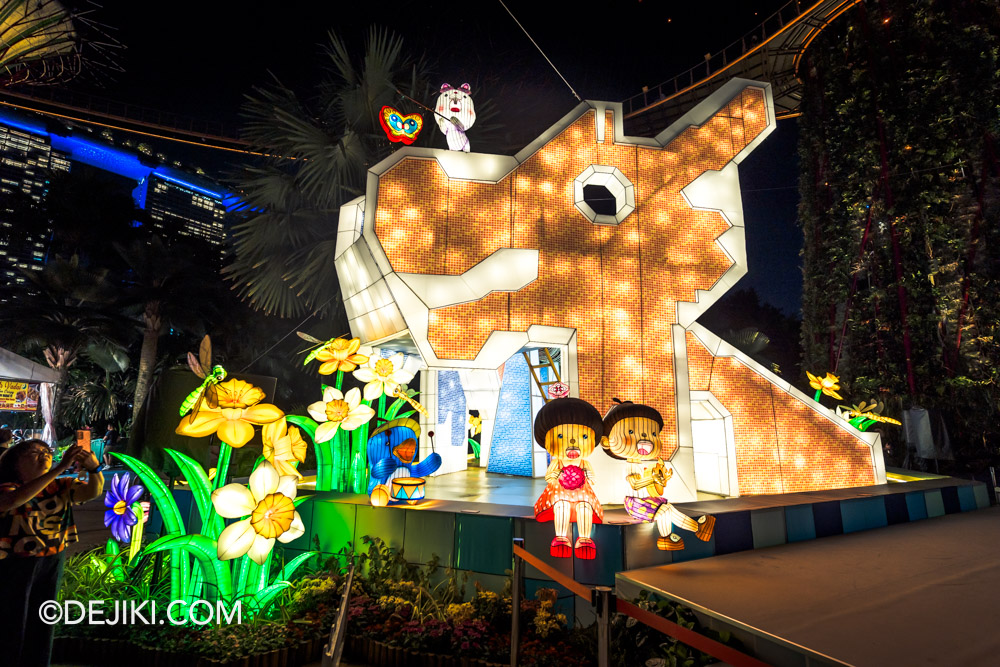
x: 921, y: 593
x: 470, y: 518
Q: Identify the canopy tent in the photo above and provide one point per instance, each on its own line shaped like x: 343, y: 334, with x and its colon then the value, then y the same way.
x: 15, y: 367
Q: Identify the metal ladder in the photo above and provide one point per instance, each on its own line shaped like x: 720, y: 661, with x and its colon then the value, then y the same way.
x: 546, y: 362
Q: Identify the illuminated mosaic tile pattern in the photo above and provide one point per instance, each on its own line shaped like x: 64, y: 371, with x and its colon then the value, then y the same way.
x: 451, y: 401
x: 782, y: 445
x: 510, y: 449
x: 474, y: 321
x: 617, y: 286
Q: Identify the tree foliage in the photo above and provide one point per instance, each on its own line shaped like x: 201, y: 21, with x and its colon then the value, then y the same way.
x: 899, y: 209
x: 319, y: 149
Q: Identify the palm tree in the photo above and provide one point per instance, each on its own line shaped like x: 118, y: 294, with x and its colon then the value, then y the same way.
x: 166, y: 287
x: 70, y: 316
x: 321, y: 150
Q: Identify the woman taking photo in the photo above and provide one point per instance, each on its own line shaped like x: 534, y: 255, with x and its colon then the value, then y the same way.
x: 36, y: 524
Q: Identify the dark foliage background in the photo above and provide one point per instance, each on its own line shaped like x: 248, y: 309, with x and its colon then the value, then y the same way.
x: 899, y: 210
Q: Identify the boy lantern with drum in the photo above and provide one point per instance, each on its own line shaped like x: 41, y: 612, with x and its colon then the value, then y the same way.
x: 569, y: 429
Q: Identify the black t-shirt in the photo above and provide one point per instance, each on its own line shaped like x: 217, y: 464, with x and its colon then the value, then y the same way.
x: 43, y: 525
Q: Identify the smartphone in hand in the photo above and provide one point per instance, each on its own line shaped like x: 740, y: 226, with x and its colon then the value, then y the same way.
x: 83, y: 438
x: 82, y: 441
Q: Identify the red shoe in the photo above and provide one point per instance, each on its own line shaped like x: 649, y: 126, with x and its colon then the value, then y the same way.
x: 706, y: 524
x: 560, y: 547
x: 585, y: 549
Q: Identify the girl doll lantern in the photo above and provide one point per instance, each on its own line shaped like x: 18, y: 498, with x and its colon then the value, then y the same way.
x: 631, y: 432
x: 569, y: 429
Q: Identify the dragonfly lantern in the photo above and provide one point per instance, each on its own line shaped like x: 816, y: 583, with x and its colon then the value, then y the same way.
x: 212, y: 376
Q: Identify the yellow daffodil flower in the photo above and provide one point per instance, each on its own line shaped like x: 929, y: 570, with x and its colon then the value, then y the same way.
x: 238, y: 394
x: 342, y: 354
x: 234, y: 425
x: 477, y: 424
x: 283, y: 446
x: 827, y: 385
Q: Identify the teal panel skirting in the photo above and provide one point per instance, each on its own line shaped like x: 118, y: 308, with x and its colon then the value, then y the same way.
x: 476, y: 538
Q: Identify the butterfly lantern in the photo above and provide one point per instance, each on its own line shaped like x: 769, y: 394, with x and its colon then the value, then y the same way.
x: 395, y: 476
x: 399, y: 127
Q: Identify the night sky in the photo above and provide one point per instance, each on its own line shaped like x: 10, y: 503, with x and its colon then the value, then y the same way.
x: 201, y: 58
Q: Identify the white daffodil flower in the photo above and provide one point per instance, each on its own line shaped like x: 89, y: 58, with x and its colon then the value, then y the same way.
x: 383, y: 376
x: 337, y: 410
x: 270, y: 510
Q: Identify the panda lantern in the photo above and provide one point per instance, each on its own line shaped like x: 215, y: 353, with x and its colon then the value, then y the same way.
x: 455, y: 113
x: 395, y: 476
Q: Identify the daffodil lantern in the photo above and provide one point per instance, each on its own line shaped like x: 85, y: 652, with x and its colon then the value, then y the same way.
x: 284, y: 447
x: 341, y: 355
x: 383, y: 376
x: 339, y: 411
x: 266, y: 512
x: 829, y: 384
x: 239, y: 410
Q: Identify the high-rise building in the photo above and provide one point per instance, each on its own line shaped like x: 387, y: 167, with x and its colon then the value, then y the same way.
x: 178, y: 207
x: 26, y: 161
x: 178, y: 204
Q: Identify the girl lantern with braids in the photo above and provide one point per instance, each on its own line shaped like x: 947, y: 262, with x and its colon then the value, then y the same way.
x: 569, y: 429
x: 631, y: 432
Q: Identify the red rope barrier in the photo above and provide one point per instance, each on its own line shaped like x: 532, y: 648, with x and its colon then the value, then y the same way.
x: 555, y: 575
x: 689, y: 637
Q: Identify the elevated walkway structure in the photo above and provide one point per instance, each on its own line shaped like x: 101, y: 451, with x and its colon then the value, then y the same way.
x: 771, y: 52
x: 102, y: 112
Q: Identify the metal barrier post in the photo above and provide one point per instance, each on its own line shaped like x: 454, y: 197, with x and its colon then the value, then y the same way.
x: 516, y: 586
x: 602, y: 603
x: 333, y: 651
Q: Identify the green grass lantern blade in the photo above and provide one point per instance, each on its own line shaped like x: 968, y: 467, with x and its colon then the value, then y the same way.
x: 249, y: 573
x: 394, y: 409
x: 263, y: 574
x: 359, y: 474
x: 475, y: 447
x: 239, y: 574
x: 161, y: 495
x: 263, y: 598
x: 323, y: 450
x: 307, y: 424
x: 194, y: 586
x: 293, y: 565
x: 222, y: 468
x: 111, y: 551
x: 205, y: 551
x: 136, y: 543
x: 172, y: 522
x: 201, y: 489
x: 112, y: 548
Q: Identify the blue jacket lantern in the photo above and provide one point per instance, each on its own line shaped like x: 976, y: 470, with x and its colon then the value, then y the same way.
x: 395, y: 476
